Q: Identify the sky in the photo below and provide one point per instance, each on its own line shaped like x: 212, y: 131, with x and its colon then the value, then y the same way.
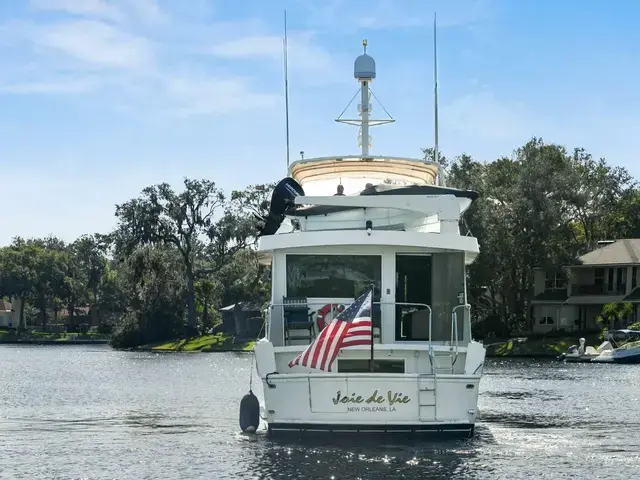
x: 101, y: 98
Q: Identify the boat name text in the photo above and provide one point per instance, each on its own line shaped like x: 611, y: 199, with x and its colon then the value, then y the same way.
x: 392, y: 398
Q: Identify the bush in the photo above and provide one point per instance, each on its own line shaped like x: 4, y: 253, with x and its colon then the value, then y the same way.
x: 127, y: 333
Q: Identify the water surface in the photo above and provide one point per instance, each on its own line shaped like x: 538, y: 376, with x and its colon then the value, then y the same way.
x: 72, y: 412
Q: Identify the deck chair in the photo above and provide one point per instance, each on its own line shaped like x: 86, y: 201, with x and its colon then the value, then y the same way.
x: 297, y: 317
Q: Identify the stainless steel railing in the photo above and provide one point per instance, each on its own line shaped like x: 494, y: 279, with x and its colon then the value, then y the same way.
x: 334, y: 306
x: 454, y: 331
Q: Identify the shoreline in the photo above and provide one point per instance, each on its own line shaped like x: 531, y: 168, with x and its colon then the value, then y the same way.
x: 52, y: 342
x: 519, y: 347
x: 238, y: 349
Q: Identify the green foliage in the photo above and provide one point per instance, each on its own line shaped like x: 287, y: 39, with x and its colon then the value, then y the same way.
x: 541, y: 207
x: 172, y: 262
x: 615, y: 311
x: 161, y: 216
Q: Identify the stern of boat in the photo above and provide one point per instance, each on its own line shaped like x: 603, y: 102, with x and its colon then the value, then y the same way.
x: 312, y: 401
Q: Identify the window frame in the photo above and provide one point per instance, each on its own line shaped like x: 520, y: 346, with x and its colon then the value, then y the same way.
x: 378, y: 282
x: 555, y: 281
x: 392, y: 366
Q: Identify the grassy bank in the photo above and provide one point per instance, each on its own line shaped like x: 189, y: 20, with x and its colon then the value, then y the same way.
x: 44, y: 338
x: 514, y: 347
x: 536, y: 347
x: 205, y: 343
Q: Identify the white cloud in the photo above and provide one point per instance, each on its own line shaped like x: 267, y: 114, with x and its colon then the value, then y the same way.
x: 303, y: 54
x: 124, y: 11
x: 207, y: 95
x: 147, y: 10
x: 147, y: 69
x: 392, y: 14
x: 96, y: 43
x: 97, y: 8
x: 49, y: 87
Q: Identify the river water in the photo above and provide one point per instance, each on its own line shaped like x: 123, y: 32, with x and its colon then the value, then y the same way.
x: 88, y: 412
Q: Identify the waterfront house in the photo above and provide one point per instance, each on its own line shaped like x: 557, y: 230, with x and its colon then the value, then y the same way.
x: 571, y: 298
x: 6, y: 314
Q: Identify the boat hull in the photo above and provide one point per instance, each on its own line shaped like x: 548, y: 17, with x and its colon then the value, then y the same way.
x: 629, y: 356
x: 371, y: 403
x: 431, y: 430
x: 576, y: 358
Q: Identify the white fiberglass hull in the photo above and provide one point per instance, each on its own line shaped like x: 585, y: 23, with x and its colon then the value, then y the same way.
x: 626, y: 355
x: 619, y: 355
x: 353, y: 402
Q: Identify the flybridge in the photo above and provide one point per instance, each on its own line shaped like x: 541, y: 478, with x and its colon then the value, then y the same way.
x: 383, y: 211
x: 426, y: 208
x: 410, y: 171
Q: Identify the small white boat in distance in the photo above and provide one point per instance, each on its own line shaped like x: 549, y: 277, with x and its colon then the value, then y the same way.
x: 394, y: 252
x: 626, y: 347
x: 619, y: 346
x: 585, y: 354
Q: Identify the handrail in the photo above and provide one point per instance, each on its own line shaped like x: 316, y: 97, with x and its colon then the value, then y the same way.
x: 407, y: 304
x: 335, y: 304
x: 454, y: 330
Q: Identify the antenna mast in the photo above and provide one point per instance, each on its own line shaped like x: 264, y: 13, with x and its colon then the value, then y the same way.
x: 436, y: 152
x: 364, y: 106
x: 364, y: 71
x: 286, y: 84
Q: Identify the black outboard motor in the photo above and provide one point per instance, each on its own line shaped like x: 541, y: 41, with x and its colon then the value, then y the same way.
x: 281, y: 201
x: 249, y: 413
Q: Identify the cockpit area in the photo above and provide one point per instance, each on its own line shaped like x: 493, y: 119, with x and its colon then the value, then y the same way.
x: 418, y: 297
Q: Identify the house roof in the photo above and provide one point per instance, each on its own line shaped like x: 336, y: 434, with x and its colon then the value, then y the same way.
x: 5, y: 306
x: 551, y: 296
x: 625, y: 251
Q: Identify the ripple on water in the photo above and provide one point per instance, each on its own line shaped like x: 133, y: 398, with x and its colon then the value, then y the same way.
x: 98, y: 414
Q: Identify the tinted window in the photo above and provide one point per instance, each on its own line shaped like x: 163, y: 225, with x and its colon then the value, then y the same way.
x: 362, y: 366
x: 340, y: 276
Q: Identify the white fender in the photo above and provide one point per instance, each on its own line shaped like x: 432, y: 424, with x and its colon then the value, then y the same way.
x: 265, y: 357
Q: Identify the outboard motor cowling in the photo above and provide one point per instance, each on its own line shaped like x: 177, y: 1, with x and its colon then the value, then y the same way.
x: 282, y: 199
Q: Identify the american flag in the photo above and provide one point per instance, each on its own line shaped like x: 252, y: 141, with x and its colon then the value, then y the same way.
x: 352, y: 327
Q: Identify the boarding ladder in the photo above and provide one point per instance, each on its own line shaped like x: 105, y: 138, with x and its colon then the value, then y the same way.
x: 445, y: 363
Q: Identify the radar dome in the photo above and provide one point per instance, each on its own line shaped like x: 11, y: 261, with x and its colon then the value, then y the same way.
x: 364, y: 67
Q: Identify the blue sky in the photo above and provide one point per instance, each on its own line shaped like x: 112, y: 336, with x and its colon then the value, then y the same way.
x: 100, y: 98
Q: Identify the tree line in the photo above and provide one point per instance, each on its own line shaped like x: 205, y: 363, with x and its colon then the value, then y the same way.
x: 175, y: 258
x: 542, y: 207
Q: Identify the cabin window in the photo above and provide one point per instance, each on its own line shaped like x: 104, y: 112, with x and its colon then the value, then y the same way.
x: 379, y: 366
x: 634, y: 277
x: 332, y: 276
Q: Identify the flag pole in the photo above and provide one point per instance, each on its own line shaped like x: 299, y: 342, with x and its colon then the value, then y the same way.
x: 372, y: 326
